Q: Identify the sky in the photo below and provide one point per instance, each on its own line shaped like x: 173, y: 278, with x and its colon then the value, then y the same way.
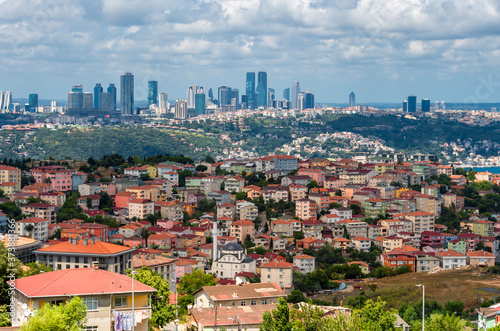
x: 381, y: 50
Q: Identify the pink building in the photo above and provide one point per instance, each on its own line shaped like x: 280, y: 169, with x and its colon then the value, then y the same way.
x: 316, y: 174
x: 184, y: 267
x: 57, y: 176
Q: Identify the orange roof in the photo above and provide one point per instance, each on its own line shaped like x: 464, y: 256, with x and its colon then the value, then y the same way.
x: 304, y: 256
x: 243, y: 222
x: 480, y: 253
x: 183, y: 262
x: 450, y: 252
x: 420, y: 213
x: 33, y: 220
x: 98, y: 247
x: 81, y: 281
x: 407, y: 248
x: 341, y: 239
x: 360, y: 239
x: 277, y: 264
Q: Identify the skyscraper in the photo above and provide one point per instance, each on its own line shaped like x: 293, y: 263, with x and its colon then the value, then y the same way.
x: 105, y: 101
x: 295, y: 94
x: 180, y: 109
x: 88, y: 100
x: 152, y: 92
x: 211, y: 95
x: 224, y: 97
x: 235, y: 98
x: 286, y: 94
x: 5, y: 100
x: 77, y: 88
x: 112, y: 91
x: 75, y: 100
x: 127, y: 93
x: 412, y: 104
x: 33, y: 101
x: 190, y: 94
x: 309, y: 100
x: 426, y: 105
x: 250, y: 90
x: 352, y: 100
x: 199, y: 102
x: 405, y: 106
x: 262, y: 89
x: 301, y: 101
x: 97, y: 93
x: 163, y: 100
x: 271, y: 95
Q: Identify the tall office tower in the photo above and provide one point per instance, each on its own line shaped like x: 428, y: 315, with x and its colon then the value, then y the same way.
x: 77, y: 88
x: 224, y: 97
x: 301, y: 101
x: 112, y: 91
x: 412, y: 104
x: 295, y: 94
x: 286, y: 94
x: 235, y: 97
x: 33, y: 101
x: 190, y: 94
x: 426, y: 105
x: 75, y: 100
x: 1, y: 99
x: 443, y: 105
x: 199, y: 102
x: 163, y: 100
x: 127, y: 93
x: 7, y: 100
x: 271, y: 96
x: 210, y: 95
x: 352, y: 100
x: 180, y: 109
x: 309, y: 100
x: 405, y: 106
x: 152, y: 92
x: 250, y: 90
x: 88, y: 100
x: 244, y: 103
x: 97, y: 93
x: 262, y: 89
x: 105, y: 101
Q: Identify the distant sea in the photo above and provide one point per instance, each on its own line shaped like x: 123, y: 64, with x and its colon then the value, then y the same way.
x: 449, y: 105
x: 493, y: 170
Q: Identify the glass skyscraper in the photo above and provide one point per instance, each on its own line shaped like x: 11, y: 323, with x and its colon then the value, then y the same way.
x: 152, y: 92
x: 112, y: 91
x: 262, y: 89
x: 309, y: 100
x: 426, y: 105
x: 352, y: 99
x: 295, y: 95
x: 97, y: 95
x: 286, y: 94
x: 412, y: 104
x: 250, y: 90
x: 199, y: 102
x: 33, y: 100
x: 127, y: 93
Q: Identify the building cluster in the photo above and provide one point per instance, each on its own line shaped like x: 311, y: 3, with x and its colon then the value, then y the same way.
x: 343, y: 203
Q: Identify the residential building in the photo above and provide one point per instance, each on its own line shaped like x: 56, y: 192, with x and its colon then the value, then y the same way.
x: 305, y: 209
x: 140, y: 208
x: 361, y: 243
x: 422, y: 221
x: 241, y: 229
x: 149, y: 192
x: 450, y: 259
x: 374, y: 207
x: 304, y: 263
x: 297, y: 192
x: 82, y: 253
x: 282, y: 228
x: 33, y: 227
x: 395, y: 259
x: 392, y: 243
x: 158, y: 263
x: 220, y: 197
x: 481, y: 259
x: 355, y: 228
x: 277, y: 272
x: 11, y: 175
x: 171, y: 209
x: 246, y: 210
x: 40, y: 210
x: 426, y: 262
x: 111, y: 302
x: 60, y: 178
x: 23, y: 248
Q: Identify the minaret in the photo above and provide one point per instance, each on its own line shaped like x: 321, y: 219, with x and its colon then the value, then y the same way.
x: 214, y: 238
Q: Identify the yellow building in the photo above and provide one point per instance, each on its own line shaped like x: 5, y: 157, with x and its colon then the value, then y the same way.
x: 484, y: 228
x: 149, y: 192
x: 107, y: 296
x: 8, y: 188
x: 152, y: 171
x: 397, y: 193
x: 383, y: 167
x: 11, y: 174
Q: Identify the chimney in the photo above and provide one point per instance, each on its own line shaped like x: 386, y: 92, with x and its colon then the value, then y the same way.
x: 92, y: 240
x: 95, y: 265
x: 85, y: 241
x: 75, y: 241
x: 235, y: 294
x: 69, y: 240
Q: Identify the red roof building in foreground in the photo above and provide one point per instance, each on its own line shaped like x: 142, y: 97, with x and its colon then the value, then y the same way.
x: 107, y: 295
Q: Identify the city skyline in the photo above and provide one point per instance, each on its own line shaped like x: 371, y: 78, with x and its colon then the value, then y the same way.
x: 383, y: 52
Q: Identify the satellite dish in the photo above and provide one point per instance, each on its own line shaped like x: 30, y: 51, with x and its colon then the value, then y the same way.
x: 190, y: 306
x: 27, y: 312
x: 24, y: 306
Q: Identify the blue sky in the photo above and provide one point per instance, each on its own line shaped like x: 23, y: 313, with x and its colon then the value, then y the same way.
x: 382, y: 50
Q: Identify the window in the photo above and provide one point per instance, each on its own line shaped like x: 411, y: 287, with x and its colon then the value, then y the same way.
x: 90, y: 303
x: 264, y: 302
x: 77, y: 259
x: 90, y: 328
x: 121, y: 302
x: 253, y: 303
x: 243, y: 303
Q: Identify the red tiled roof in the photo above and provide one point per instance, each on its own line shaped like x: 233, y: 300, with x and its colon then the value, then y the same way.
x: 98, y: 247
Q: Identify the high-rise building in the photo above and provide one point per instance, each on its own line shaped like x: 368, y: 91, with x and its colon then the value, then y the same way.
x: 97, y: 93
x: 309, y: 100
x: 75, y: 100
x: 405, y: 106
x: 426, y: 105
x: 235, y: 98
x: 5, y: 100
x: 199, y: 102
x: 250, y: 90
x: 180, y: 109
x: 163, y: 100
x: 33, y: 101
x: 301, y: 101
x: 152, y: 92
x: 190, y: 94
x: 105, y: 101
x: 127, y: 93
x: 352, y: 100
x: 271, y: 96
x: 412, y: 104
x: 88, y: 100
x: 210, y: 95
x: 295, y: 94
x: 286, y: 94
x: 262, y: 89
x: 112, y: 91
x: 224, y: 96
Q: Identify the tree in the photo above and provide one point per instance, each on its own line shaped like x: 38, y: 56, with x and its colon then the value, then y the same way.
x: 4, y: 316
x: 69, y: 316
x: 356, y: 209
x: 145, y: 177
x: 191, y: 283
x: 162, y: 312
x: 440, y: 322
x: 312, y: 184
x: 35, y: 268
x: 209, y: 159
x: 296, y: 296
x: 374, y: 316
x: 201, y: 168
x: 29, y: 228
x: 278, y: 319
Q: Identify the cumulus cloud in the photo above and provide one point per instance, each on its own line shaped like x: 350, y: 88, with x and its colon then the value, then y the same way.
x: 331, y: 46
